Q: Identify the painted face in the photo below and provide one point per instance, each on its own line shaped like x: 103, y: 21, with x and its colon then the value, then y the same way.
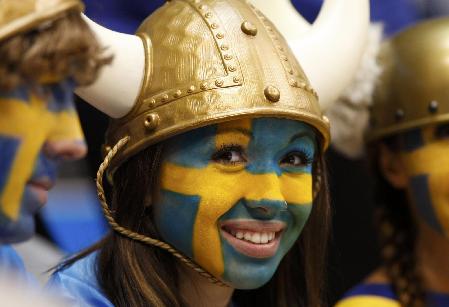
x: 35, y: 131
x: 426, y: 160
x: 235, y: 196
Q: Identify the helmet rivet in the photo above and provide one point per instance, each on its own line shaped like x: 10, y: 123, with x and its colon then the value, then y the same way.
x: 177, y: 94
x: 219, y: 35
x: 232, y: 68
x: 164, y: 98
x: 214, y: 26
x: 191, y: 89
x: 399, y: 115
x: 219, y: 83
x: 203, y: 86
x: 224, y: 47
x: 208, y: 15
x: 272, y: 93
x: 433, y: 106
x: 236, y: 79
x: 248, y: 28
x: 152, y: 103
x: 151, y: 121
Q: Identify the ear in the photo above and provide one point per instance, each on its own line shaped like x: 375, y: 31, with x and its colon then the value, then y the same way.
x: 392, y: 167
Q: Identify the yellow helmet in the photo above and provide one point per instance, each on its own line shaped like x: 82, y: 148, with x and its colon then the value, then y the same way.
x: 413, y: 90
x: 211, y: 61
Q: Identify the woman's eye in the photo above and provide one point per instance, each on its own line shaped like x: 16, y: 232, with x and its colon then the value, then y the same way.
x: 442, y: 131
x: 229, y: 155
x: 295, y: 159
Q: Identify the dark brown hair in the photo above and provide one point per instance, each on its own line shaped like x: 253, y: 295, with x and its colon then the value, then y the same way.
x: 133, y: 274
x: 66, y: 49
x: 397, y: 232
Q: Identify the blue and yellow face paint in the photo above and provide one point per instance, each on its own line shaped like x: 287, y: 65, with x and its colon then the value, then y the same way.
x: 28, y: 121
x: 425, y: 157
x: 238, y: 173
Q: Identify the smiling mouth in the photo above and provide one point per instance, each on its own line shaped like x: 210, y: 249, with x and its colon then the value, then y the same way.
x: 257, y: 239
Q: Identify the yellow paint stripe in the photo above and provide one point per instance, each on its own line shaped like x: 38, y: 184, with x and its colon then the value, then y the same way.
x: 35, y: 126
x: 367, y: 301
x: 419, y: 162
x: 438, y: 190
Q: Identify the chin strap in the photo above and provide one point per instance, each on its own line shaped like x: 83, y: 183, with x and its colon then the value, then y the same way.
x: 134, y: 235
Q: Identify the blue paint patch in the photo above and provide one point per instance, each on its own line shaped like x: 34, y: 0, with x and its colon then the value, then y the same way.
x: 21, y: 93
x: 272, y: 134
x: 8, y: 149
x: 192, y: 149
x: 174, y: 219
x: 61, y: 96
x: 422, y: 199
x: 412, y: 140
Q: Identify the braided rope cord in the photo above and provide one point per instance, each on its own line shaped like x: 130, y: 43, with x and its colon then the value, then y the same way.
x: 134, y: 235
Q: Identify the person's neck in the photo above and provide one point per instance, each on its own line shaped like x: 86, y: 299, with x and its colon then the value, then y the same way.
x: 199, y: 292
x: 433, y: 258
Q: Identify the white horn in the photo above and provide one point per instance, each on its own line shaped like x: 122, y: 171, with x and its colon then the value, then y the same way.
x: 285, y: 17
x: 331, y: 51
x: 118, y: 85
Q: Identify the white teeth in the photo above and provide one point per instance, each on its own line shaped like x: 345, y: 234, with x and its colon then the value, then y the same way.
x: 264, y: 238
x: 256, y: 238
x: 248, y: 236
x: 253, y: 237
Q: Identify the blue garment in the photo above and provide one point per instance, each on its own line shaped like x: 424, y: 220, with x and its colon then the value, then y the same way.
x: 78, y: 284
x: 382, y: 295
x: 11, y: 265
x: 11, y: 261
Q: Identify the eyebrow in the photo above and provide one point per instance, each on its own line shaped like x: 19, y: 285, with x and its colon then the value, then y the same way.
x: 302, y: 135
x: 239, y: 130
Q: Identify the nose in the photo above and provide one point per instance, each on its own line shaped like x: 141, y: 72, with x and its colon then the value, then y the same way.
x: 264, y: 198
x: 65, y: 149
x: 265, y: 208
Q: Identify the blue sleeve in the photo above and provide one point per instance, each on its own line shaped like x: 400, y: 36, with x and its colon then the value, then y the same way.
x: 78, y: 285
x: 77, y: 292
x: 11, y: 263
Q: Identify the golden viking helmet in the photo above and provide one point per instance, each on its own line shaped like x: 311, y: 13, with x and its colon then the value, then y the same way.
x: 413, y: 90
x: 18, y: 16
x: 208, y: 61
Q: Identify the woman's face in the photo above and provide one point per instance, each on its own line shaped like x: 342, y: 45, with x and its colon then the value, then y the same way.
x: 425, y: 156
x: 34, y: 134
x: 235, y: 196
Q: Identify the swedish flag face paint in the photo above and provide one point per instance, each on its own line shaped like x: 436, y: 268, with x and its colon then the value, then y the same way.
x: 234, y: 197
x: 426, y: 160
x: 36, y: 128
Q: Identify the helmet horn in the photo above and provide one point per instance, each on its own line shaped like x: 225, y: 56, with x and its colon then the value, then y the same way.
x: 128, y: 66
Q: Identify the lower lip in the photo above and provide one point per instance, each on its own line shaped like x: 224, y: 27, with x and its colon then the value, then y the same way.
x: 40, y: 193
x: 253, y: 250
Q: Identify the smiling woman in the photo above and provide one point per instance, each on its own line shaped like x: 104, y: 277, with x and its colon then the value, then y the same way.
x: 216, y: 169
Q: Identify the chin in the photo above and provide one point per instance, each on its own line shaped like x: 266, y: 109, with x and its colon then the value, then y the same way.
x: 17, y: 231
x: 248, y: 278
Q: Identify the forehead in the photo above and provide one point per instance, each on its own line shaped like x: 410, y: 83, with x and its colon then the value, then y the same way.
x: 261, y: 130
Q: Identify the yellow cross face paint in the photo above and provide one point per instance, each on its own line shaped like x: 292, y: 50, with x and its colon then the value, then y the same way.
x: 234, y: 197
x: 28, y: 121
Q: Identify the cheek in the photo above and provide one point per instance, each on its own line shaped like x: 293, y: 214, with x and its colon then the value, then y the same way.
x: 194, y: 199
x: 439, y: 192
